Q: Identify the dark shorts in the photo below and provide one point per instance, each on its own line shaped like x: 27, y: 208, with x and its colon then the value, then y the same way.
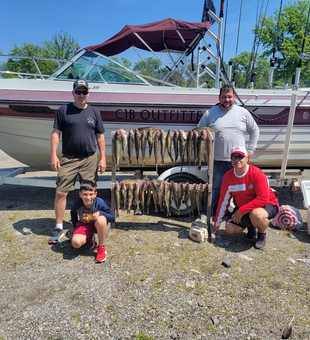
x: 272, y: 211
x: 71, y: 167
x: 85, y: 229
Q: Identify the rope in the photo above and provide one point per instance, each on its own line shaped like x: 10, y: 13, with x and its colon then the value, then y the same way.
x: 237, y: 39
x: 223, y: 47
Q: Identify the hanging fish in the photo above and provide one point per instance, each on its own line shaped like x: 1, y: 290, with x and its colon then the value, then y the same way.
x: 201, y: 147
x: 195, y: 145
x: 205, y: 195
x: 161, y: 196
x: 162, y: 140
x: 201, y: 128
x: 137, y: 144
x: 155, y: 195
x: 130, y: 144
x: 186, y: 197
x: 169, y: 138
x: 117, y: 198
x: 129, y: 197
x: 174, y: 198
x: 193, y: 197
x: 124, y: 195
x: 189, y: 147
x: 142, y: 195
x: 136, y: 200
x: 124, y: 142
x: 148, y: 197
x: 143, y: 137
x: 179, y: 190
x: 182, y: 146
x: 168, y: 198
x: 176, y: 145
x: 117, y: 148
x: 209, y: 149
x: 199, y: 194
x: 150, y: 134
x: 156, y: 147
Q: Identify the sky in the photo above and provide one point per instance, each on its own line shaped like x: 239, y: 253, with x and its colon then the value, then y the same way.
x: 92, y: 23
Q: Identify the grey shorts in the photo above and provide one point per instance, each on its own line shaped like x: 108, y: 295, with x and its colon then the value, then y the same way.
x: 272, y: 211
x: 71, y: 167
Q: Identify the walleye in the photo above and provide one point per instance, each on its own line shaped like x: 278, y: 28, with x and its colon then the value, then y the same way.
x: 209, y: 148
x: 124, y: 142
x: 201, y: 128
x: 176, y: 145
x: 169, y: 138
x: 201, y: 147
x: 117, y: 147
x: 186, y: 195
x: 182, y: 146
x: 168, y: 198
x: 136, y: 200
x: 173, y: 190
x: 117, y: 198
x: 155, y: 195
x: 149, y: 136
x: 148, y: 197
x: 156, y: 147
x: 130, y: 144
x: 189, y: 147
x: 192, y: 197
x: 143, y: 145
x: 142, y: 194
x: 137, y: 144
x: 205, y: 195
x: 162, y: 139
x: 161, y: 196
x: 129, y: 197
x: 124, y: 195
x: 195, y: 144
x: 199, y: 193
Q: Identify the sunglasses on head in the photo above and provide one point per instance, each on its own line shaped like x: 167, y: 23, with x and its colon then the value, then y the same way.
x: 81, y: 92
x: 239, y: 157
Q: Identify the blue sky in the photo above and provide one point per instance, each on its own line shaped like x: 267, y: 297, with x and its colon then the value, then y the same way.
x: 91, y: 23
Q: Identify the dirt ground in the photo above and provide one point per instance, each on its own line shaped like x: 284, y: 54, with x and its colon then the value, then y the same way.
x: 156, y: 282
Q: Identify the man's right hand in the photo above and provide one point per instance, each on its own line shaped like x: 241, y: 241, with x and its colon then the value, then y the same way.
x: 55, y: 163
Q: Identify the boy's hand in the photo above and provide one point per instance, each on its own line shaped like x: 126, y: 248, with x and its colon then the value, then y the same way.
x: 95, y: 215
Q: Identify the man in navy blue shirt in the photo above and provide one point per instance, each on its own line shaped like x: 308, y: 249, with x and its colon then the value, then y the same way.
x: 82, y: 130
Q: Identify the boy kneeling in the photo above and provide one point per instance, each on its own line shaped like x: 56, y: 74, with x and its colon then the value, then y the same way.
x: 90, y: 215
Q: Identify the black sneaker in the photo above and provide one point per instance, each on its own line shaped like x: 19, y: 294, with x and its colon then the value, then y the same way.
x: 261, y: 241
x: 57, y: 235
x: 69, y: 233
x: 252, y: 232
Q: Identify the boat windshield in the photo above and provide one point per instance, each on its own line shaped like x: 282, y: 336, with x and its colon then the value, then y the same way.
x: 96, y: 68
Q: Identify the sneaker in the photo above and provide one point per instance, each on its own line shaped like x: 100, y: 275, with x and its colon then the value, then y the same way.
x: 261, y: 241
x: 101, y: 254
x: 69, y: 233
x: 90, y: 242
x: 252, y: 232
x: 57, y: 235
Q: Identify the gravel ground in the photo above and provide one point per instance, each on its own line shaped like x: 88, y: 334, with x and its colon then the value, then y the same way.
x: 156, y: 282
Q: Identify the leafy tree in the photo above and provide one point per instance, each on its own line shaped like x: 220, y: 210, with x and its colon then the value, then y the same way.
x: 124, y: 61
x: 289, y: 39
x: 60, y: 46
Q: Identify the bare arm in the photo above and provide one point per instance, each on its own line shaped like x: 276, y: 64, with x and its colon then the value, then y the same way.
x: 55, y: 163
x: 101, y: 145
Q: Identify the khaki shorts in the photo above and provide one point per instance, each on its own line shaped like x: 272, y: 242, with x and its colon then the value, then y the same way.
x: 85, y: 168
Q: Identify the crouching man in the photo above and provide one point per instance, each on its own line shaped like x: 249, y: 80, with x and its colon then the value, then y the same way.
x: 90, y: 215
x: 255, y: 202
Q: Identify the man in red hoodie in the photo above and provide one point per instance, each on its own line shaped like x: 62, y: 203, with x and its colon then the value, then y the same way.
x: 255, y: 202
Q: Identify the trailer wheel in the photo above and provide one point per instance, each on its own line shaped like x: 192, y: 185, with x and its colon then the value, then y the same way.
x: 179, y: 178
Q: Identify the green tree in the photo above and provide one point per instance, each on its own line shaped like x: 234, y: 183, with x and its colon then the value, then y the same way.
x: 289, y: 39
x: 60, y: 46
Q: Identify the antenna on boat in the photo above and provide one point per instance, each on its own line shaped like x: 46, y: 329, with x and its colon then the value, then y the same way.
x: 301, y: 56
x: 234, y: 72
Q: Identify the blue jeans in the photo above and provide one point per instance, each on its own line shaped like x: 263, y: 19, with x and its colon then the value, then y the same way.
x: 219, y: 170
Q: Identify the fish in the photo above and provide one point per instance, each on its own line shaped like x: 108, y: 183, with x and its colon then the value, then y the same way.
x: 117, y: 148
x: 137, y: 144
x: 161, y: 196
x: 176, y: 145
x: 142, y: 195
x: 178, y: 194
x: 209, y: 148
x: 149, y: 136
x: 156, y: 147
x: 199, y: 193
x: 201, y: 147
x: 143, y: 145
x: 169, y: 138
x: 201, y: 128
x: 195, y: 145
x: 189, y: 147
x: 129, y: 197
x: 117, y: 198
x: 173, y: 190
x: 124, y: 142
x: 124, y: 195
x: 136, y: 200
x: 186, y: 197
x: 162, y: 140
x: 192, y: 197
x: 168, y: 198
x: 148, y: 197
x: 182, y: 146
x: 155, y: 195
x: 130, y: 144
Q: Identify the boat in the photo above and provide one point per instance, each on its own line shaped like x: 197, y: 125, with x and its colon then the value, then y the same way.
x: 126, y: 99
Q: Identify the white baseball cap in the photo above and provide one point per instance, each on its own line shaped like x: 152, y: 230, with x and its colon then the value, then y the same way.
x: 239, y: 149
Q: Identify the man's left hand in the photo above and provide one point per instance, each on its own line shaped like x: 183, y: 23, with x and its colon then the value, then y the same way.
x: 236, y: 217
x: 249, y: 156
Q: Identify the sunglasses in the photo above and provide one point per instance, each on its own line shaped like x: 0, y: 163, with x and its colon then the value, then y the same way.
x: 240, y: 157
x: 81, y: 92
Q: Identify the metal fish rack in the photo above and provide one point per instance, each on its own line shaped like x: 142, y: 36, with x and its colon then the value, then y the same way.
x: 137, y: 166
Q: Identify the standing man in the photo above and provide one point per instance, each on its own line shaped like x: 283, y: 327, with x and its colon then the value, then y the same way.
x: 232, y: 121
x: 256, y: 203
x: 81, y: 127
